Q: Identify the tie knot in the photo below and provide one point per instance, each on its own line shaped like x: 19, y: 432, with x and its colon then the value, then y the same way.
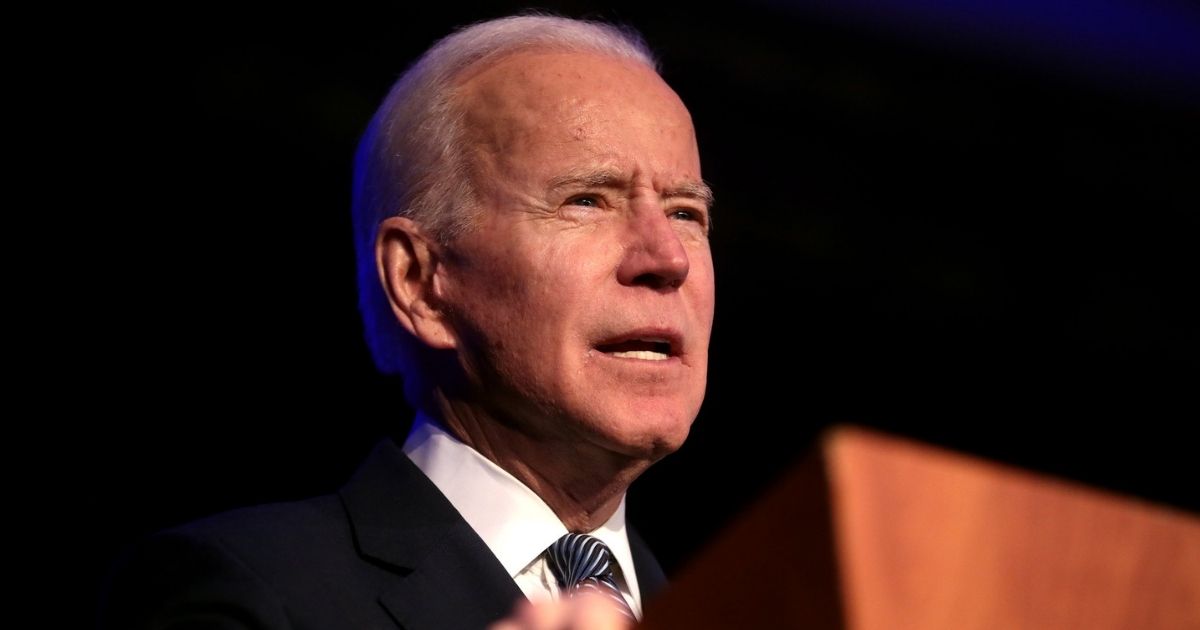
x: 575, y: 558
x: 584, y: 563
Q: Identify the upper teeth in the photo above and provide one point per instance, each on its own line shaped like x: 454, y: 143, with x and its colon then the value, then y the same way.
x: 648, y: 355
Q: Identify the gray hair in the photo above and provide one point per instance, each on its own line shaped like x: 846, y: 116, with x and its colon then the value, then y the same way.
x: 411, y: 161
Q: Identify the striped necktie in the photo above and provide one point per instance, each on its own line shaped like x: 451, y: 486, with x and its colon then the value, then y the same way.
x: 583, y: 563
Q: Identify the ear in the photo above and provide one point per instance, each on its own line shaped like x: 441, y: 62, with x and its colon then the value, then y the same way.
x: 408, y: 263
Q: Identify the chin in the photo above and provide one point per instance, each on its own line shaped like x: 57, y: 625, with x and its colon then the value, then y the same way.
x: 652, y: 436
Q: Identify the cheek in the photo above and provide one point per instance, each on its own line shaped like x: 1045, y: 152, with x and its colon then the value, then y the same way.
x: 544, y: 289
x: 703, y: 285
x: 568, y: 270
x: 506, y: 302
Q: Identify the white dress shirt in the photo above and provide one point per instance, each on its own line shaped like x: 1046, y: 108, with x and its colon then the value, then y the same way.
x: 511, y: 519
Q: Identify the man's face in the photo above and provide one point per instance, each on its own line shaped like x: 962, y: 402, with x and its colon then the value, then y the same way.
x: 582, y: 300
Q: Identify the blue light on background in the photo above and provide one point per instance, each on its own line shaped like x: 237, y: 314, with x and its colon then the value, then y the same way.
x: 1144, y: 46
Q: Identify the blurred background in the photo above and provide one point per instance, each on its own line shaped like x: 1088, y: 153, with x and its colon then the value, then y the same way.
x: 969, y: 223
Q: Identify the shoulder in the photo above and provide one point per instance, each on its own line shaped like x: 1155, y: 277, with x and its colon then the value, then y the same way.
x: 325, y: 562
x: 271, y: 533
x: 236, y: 569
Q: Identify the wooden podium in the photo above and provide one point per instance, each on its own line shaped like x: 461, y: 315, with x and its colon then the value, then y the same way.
x: 880, y: 533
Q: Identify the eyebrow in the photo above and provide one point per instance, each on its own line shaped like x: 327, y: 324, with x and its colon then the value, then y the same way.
x: 692, y: 190
x: 697, y: 190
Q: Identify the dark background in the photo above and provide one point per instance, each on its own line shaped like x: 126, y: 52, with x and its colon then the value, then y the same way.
x: 970, y: 225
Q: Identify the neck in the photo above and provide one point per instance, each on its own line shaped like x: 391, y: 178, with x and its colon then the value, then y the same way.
x: 582, y: 483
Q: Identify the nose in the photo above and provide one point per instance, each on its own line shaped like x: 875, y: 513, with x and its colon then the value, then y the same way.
x: 654, y: 256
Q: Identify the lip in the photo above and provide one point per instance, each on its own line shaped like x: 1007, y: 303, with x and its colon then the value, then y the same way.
x: 652, y: 336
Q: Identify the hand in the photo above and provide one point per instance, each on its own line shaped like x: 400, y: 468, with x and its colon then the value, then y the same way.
x: 584, y: 611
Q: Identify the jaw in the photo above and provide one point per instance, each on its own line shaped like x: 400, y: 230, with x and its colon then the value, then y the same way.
x: 641, y: 408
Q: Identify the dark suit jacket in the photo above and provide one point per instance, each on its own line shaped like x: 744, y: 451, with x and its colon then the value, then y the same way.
x: 387, y: 551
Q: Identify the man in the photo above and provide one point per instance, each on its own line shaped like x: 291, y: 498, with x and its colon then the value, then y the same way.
x: 534, y: 257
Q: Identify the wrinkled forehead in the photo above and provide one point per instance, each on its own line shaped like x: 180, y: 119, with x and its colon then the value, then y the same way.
x: 534, y: 92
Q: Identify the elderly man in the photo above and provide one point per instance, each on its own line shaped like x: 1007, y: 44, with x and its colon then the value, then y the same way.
x: 534, y: 257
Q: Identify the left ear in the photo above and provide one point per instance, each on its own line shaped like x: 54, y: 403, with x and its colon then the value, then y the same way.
x: 408, y: 261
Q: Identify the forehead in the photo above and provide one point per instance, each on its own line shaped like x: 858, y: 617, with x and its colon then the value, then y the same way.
x: 536, y: 74
x: 551, y: 104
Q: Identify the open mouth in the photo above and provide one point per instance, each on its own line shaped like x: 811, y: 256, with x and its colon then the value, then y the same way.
x: 647, y: 349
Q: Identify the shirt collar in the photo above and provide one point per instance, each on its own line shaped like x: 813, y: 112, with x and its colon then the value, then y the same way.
x: 513, y: 521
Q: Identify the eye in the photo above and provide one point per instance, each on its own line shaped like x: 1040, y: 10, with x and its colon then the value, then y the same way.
x: 687, y: 214
x: 589, y: 201
x: 694, y: 218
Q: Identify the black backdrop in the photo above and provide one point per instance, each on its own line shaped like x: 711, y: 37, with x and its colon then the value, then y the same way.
x: 959, y: 244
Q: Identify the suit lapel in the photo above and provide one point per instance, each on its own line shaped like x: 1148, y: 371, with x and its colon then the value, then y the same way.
x: 446, y: 576
x: 650, y: 576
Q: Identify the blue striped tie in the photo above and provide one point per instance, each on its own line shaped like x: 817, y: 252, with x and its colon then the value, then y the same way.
x: 583, y: 563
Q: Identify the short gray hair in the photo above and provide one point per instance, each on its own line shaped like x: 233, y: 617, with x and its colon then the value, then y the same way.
x: 411, y: 161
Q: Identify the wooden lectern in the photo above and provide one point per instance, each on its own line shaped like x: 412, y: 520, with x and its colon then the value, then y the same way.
x: 880, y: 533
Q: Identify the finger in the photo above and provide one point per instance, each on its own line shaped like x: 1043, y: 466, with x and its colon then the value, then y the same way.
x: 527, y: 615
x: 594, y: 611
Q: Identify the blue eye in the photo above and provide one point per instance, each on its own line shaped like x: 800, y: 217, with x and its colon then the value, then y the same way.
x: 586, y: 200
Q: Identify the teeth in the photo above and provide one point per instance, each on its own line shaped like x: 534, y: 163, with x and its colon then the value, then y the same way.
x: 646, y: 355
